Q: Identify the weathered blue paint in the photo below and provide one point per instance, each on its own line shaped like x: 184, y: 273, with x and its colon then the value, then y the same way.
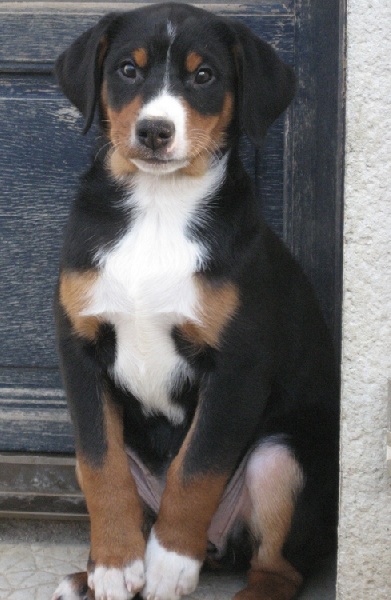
x: 42, y: 152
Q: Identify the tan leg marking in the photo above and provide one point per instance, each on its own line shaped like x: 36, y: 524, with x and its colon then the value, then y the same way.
x: 187, y: 506
x: 269, y: 586
x: 112, y: 500
x: 75, y: 290
x: 274, y: 479
x: 217, y: 306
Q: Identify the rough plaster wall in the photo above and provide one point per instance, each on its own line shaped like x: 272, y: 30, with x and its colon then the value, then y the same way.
x: 365, y: 522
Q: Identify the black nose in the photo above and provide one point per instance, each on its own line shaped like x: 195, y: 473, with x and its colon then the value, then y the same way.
x: 155, y: 133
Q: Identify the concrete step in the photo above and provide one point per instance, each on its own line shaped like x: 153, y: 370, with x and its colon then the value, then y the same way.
x: 35, y: 555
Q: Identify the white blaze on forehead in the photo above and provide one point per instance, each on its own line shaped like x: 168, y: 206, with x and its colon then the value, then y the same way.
x: 164, y: 106
x: 171, y: 31
x: 167, y: 106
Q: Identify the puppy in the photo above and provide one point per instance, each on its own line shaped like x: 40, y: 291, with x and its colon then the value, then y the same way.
x: 198, y: 369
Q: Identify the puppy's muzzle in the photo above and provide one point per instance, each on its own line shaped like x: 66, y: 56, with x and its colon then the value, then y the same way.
x: 155, y: 134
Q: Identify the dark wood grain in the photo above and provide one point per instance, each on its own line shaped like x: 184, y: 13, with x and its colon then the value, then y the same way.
x: 314, y: 194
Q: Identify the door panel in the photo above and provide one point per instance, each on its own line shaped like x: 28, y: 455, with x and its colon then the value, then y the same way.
x: 43, y: 152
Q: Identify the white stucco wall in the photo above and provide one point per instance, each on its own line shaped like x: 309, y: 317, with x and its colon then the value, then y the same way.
x: 364, y: 564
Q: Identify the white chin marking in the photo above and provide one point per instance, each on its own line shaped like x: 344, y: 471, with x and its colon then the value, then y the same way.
x: 169, y: 575
x: 160, y: 168
x: 117, y: 584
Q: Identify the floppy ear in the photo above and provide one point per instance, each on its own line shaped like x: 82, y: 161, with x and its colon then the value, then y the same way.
x: 266, y: 84
x: 79, y: 68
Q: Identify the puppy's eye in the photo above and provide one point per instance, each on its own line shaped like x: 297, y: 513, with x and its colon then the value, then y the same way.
x: 128, y: 70
x: 203, y: 75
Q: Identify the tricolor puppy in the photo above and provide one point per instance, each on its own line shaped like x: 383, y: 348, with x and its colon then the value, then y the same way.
x: 198, y: 369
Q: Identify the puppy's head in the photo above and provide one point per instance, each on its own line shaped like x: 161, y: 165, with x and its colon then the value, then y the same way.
x: 175, y: 85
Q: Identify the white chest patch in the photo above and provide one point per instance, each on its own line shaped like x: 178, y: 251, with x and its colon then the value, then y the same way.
x: 146, y: 286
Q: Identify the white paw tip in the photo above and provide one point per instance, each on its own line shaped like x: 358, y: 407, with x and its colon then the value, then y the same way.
x: 134, y: 576
x: 170, y: 575
x: 111, y: 583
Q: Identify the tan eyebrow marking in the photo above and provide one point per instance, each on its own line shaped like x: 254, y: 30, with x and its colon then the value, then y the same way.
x: 140, y: 57
x: 193, y: 61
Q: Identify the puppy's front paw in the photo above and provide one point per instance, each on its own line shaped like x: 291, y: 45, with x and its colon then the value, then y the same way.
x: 169, y: 575
x: 110, y: 583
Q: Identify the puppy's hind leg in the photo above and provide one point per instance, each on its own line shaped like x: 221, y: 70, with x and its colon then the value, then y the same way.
x: 74, y: 587
x: 274, y: 478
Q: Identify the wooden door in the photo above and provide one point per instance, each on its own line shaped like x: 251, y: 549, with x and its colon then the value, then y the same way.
x: 297, y: 175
